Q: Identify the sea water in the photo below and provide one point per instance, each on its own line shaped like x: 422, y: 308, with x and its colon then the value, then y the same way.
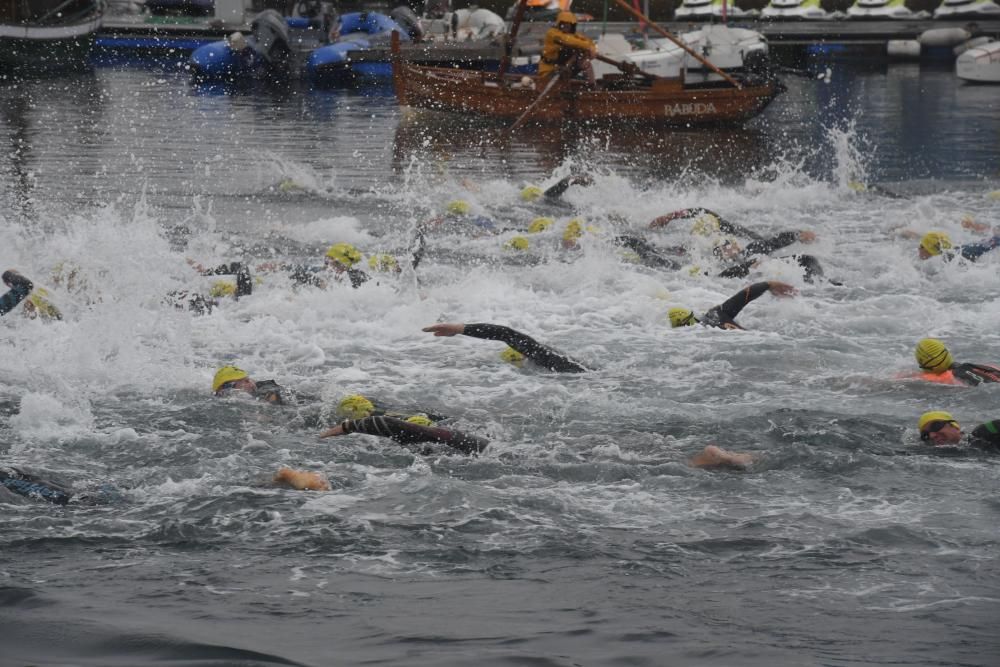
x: 581, y: 537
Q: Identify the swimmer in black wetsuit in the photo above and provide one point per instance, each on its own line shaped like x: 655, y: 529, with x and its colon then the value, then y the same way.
x: 938, y: 243
x: 231, y: 378
x: 31, y: 486
x: 408, y: 433
x: 203, y: 304
x: 941, y: 430
x: 20, y: 288
x: 521, y: 345
x: 724, y: 315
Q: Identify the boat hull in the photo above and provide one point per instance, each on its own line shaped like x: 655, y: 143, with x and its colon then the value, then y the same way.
x: 666, y: 101
x: 45, y: 48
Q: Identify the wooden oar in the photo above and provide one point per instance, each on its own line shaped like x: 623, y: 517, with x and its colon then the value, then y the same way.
x: 626, y: 67
x: 545, y: 91
x: 694, y: 54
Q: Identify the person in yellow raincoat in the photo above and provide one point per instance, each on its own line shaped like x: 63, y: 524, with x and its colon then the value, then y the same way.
x: 564, y: 48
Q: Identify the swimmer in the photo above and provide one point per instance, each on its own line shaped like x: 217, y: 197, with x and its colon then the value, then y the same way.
x: 941, y: 430
x: 408, y: 432
x: 811, y: 268
x: 202, y: 304
x: 937, y: 365
x: 521, y: 346
x: 32, y: 486
x: 303, y: 480
x: 933, y: 244
x: 19, y: 289
x: 724, y: 315
x: 356, y: 406
x: 708, y: 222
x: 232, y: 379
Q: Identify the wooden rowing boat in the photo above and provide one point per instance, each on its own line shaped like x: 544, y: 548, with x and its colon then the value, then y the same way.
x: 623, y: 98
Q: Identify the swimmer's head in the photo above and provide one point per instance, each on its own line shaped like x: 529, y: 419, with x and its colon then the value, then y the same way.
x: 531, y: 193
x: 231, y: 377
x: 237, y: 42
x: 706, y: 225
x: 222, y: 288
x: 540, y: 225
x: 343, y: 254
x: 458, y: 207
x: 385, y: 263
x: 933, y: 243
x: 516, y: 243
x: 355, y: 406
x: 933, y: 356
x: 421, y: 420
x: 728, y: 249
x: 939, y: 427
x: 512, y: 356
x: 681, y: 317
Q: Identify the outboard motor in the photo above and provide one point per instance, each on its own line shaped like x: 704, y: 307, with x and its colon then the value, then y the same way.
x: 409, y: 22
x: 271, y: 37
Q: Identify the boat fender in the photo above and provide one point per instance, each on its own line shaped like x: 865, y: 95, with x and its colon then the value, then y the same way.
x: 903, y: 48
x: 943, y: 36
x: 971, y: 44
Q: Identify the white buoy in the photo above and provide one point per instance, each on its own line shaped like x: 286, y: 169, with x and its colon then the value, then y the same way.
x: 971, y: 44
x: 943, y: 36
x: 903, y: 48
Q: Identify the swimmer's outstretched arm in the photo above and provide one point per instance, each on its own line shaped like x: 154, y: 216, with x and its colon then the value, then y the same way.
x: 303, y: 480
x: 20, y: 288
x: 33, y: 487
x: 540, y: 354
x: 408, y: 433
x: 734, y: 304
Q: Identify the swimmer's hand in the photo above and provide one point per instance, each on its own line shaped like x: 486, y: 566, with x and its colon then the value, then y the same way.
x: 445, y: 329
x: 331, y: 432
x: 781, y: 289
x: 969, y: 223
x: 805, y: 236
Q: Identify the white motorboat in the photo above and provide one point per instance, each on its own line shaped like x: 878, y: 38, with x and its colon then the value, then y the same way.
x: 732, y: 49
x: 808, y: 10
x: 48, y: 35
x: 704, y: 9
x: 967, y: 9
x: 980, y: 64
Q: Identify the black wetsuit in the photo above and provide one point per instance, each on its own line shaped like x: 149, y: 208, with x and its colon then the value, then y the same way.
x: 270, y: 391
x: 20, y: 288
x: 556, y: 191
x: 33, y: 487
x: 313, y: 275
x: 408, y: 433
x: 244, y: 281
x: 810, y: 265
x: 724, y: 315
x: 539, y: 354
x: 648, y: 254
x: 986, y: 436
x: 975, y: 374
x: 725, y: 226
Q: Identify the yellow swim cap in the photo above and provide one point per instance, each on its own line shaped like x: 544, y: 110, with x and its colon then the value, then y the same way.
x: 344, y: 253
x: 512, y: 356
x: 227, y: 374
x: 422, y: 420
x: 458, y: 207
x: 935, y: 416
x: 706, y: 225
x: 857, y: 186
x: 355, y: 406
x: 385, y: 263
x: 935, y: 242
x: 43, y: 307
x: 223, y: 288
x: 566, y: 17
x: 681, y: 317
x: 573, y: 231
x: 531, y: 193
x: 540, y: 225
x: 516, y: 243
x: 932, y: 355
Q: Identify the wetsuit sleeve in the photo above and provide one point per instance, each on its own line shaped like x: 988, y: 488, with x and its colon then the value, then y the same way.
x: 988, y: 433
x: 33, y: 487
x: 418, y: 254
x: 20, y: 288
x: 358, y: 277
x: 765, y: 246
x: 646, y: 252
x: 734, y: 304
x: 733, y: 229
x: 406, y: 433
x: 526, y: 345
x: 557, y: 190
x: 738, y: 271
x: 974, y: 251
